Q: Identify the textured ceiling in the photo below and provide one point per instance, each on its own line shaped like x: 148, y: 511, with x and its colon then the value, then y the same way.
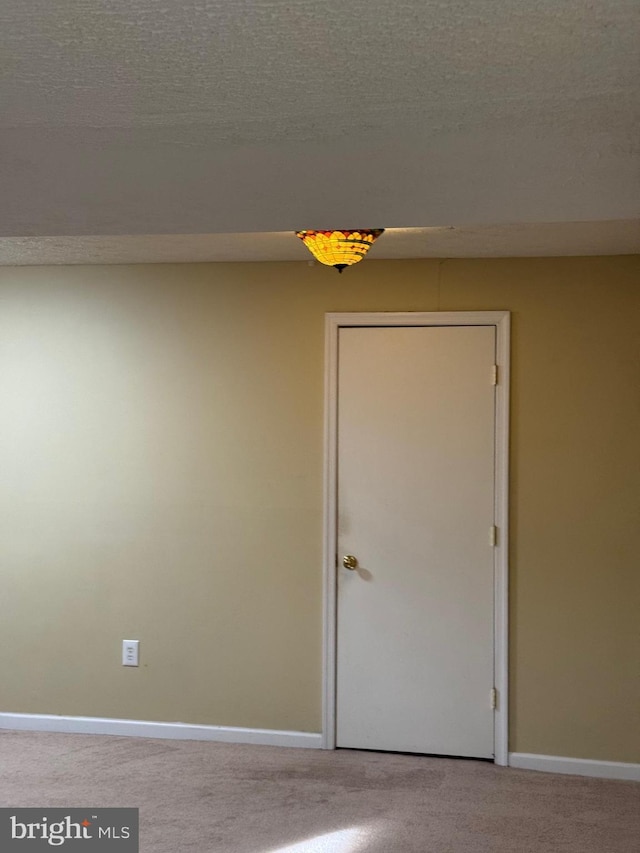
x: 542, y: 239
x: 253, y: 70
x: 142, y: 117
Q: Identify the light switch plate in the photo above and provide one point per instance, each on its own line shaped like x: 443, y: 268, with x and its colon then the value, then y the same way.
x: 130, y: 652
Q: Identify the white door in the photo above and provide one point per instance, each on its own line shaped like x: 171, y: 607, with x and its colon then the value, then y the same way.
x: 415, y: 459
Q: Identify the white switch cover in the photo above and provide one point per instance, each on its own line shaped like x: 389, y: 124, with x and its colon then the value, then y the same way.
x: 130, y: 652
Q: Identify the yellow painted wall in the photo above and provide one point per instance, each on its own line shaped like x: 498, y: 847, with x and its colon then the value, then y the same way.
x: 161, y: 479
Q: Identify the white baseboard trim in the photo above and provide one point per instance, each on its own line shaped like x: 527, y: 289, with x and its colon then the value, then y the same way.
x: 575, y: 766
x: 144, y: 728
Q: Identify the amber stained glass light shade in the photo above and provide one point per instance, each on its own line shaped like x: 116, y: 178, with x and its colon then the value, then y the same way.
x: 340, y: 249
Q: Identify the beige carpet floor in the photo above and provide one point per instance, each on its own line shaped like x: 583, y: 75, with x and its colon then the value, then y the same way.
x: 219, y: 798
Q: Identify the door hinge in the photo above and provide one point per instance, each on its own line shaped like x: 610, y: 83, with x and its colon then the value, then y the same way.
x: 493, y: 536
x: 494, y: 374
x: 494, y: 699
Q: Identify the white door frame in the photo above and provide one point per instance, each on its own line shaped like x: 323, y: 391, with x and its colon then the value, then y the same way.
x: 501, y: 321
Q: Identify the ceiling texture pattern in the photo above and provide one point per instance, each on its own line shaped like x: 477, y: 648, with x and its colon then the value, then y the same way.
x: 198, y: 117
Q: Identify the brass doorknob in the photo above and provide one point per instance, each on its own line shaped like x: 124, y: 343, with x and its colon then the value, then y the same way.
x: 349, y: 562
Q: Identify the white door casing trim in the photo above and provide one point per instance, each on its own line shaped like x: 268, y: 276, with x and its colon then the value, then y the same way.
x: 501, y: 321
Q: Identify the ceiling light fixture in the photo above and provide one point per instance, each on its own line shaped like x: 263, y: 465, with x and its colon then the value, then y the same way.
x: 340, y: 249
